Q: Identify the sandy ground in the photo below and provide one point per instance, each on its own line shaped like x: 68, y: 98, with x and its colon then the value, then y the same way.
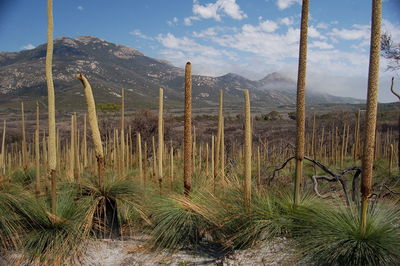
x: 133, y: 252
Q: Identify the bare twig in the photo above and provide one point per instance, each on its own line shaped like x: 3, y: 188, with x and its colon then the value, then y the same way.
x: 334, y: 177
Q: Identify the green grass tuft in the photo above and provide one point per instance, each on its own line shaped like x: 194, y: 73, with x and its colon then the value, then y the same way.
x: 52, y: 238
x: 181, y: 221
x: 331, y: 236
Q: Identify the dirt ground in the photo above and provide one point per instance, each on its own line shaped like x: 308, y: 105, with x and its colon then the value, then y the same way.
x: 132, y: 251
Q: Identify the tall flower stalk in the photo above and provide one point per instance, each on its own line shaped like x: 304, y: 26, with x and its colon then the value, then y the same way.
x: 300, y: 111
x: 187, y: 137
x: 52, y: 148
x: 372, y: 106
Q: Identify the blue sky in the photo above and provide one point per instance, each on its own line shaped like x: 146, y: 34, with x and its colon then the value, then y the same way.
x: 248, y: 37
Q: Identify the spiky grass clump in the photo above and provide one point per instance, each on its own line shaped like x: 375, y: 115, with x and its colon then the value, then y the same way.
x: 53, y: 238
x: 307, y: 200
x: 264, y: 221
x: 269, y: 216
x: 107, y: 202
x: 24, y: 178
x: 10, y: 224
x: 181, y: 221
x: 332, y: 236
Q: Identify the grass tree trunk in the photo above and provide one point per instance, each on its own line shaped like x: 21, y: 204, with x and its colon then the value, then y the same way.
x: 71, y: 169
x: 207, y: 172
x: 247, y: 151
x: 171, y: 162
x: 187, y: 137
x: 212, y: 158
x: 140, y: 160
x: 222, y: 159
x: 357, y: 137
x: 52, y: 149
x: 92, y: 116
x: 37, y: 151
x: 23, y: 148
x: 217, y: 158
x: 300, y: 112
x: 153, y: 145
x: 160, y: 137
x: 122, y: 132
x: 85, y: 159
x: 398, y: 123
x: 391, y: 151
x: 145, y: 163
x: 370, y: 118
x: 3, y: 149
x: 258, y: 168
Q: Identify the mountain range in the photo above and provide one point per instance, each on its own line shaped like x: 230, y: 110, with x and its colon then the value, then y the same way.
x: 110, y: 67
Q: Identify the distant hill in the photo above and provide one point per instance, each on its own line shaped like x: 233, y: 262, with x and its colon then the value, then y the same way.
x: 110, y: 67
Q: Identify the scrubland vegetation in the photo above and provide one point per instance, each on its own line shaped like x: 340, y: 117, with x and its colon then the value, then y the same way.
x: 334, y: 191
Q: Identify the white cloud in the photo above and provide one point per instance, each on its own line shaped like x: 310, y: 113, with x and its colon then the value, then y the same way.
x: 80, y: 8
x: 208, y: 60
x: 139, y: 34
x: 314, y: 33
x: 28, y: 47
x: 173, y: 21
x: 261, y: 40
x: 269, y: 26
x: 215, y: 11
x: 283, y: 4
x: 209, y: 32
x: 322, y: 25
x: 232, y: 9
x: 186, y: 44
x: 188, y: 20
x: 321, y: 45
x: 357, y: 32
x: 207, y: 11
x: 287, y: 21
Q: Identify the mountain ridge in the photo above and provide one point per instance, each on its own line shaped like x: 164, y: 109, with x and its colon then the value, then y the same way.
x: 111, y: 67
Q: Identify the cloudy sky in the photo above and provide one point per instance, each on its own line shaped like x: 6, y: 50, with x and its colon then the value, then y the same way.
x: 248, y: 37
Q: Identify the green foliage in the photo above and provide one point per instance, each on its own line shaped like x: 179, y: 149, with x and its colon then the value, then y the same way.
x: 272, y: 116
x: 270, y: 216
x: 181, y: 221
x: 264, y: 221
x: 51, y: 238
x: 23, y: 178
x: 10, y: 223
x: 332, y: 236
x: 108, y: 107
x: 117, y: 194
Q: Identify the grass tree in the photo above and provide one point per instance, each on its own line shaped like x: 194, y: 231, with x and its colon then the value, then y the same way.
x: 37, y: 151
x: 92, y: 116
x: 187, y: 137
x: 247, y: 151
x: 140, y: 160
x: 122, y: 132
x: 3, y: 149
x: 160, y: 137
x: 23, y: 148
x: 300, y: 112
x: 52, y: 149
x: 371, y: 114
x: 217, y: 158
